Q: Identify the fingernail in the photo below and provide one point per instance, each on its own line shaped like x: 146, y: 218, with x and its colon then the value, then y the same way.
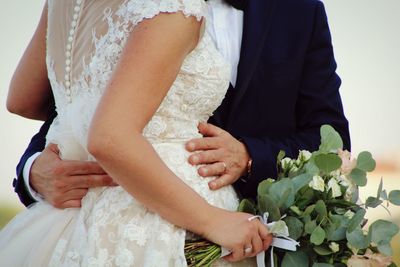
x: 212, y: 185
x: 204, y: 171
x: 195, y: 159
x: 190, y: 146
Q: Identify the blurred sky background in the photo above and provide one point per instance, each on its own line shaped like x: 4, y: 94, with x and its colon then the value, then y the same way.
x: 366, y: 38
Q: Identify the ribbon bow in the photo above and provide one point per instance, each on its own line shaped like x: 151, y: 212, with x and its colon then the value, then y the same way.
x: 281, y: 238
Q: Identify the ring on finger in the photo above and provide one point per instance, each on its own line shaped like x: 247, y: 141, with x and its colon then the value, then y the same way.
x: 248, y: 249
x: 253, y: 218
x: 224, y: 165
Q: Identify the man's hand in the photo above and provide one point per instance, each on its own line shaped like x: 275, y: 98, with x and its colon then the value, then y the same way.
x: 222, y: 154
x: 63, y: 183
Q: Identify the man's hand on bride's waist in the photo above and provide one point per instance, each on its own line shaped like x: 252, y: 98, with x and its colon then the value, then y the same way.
x: 63, y: 183
x: 221, y: 154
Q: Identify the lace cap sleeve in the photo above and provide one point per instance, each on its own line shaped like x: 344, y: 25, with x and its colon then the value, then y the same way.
x: 138, y: 10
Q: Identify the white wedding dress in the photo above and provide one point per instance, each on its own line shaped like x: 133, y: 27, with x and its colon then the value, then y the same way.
x: 84, y: 41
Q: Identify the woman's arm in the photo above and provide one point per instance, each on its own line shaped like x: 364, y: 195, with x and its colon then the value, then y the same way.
x: 30, y: 93
x: 148, y: 66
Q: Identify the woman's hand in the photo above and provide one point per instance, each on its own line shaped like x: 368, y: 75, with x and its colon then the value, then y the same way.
x: 234, y: 231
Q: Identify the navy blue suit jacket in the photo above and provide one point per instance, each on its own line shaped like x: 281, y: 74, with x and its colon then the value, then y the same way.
x: 287, y: 88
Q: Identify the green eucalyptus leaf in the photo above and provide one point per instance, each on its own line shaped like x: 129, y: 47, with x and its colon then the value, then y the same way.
x: 285, y: 198
x: 330, y: 139
x: 336, y: 229
x: 357, y: 239
x: 295, y: 227
x: 365, y: 162
x: 309, y: 209
x: 328, y: 162
x: 384, y: 195
x: 281, y: 156
x: 339, y: 220
x: 264, y: 186
x: 385, y: 248
x: 295, y: 258
x: 311, y: 168
x: 337, y: 235
x: 282, y: 192
x: 383, y: 231
x: 267, y: 204
x: 318, y: 236
x: 373, y: 202
x: 310, y: 226
x: 306, y: 218
x: 247, y: 206
x: 359, y: 177
x: 320, y: 207
x: 322, y: 250
x: 301, y: 181
x: 296, y: 210
x: 330, y: 230
x: 356, y: 220
x: 304, y: 197
x: 394, y: 197
x: 380, y: 187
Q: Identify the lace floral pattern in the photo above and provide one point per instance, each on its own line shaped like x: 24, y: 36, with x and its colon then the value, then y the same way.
x: 112, y: 228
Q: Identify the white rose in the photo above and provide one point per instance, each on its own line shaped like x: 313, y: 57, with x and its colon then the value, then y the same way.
x: 344, y: 181
x: 286, y: 163
x: 293, y: 169
x: 351, y: 186
x: 333, y: 185
x: 304, y: 155
x: 317, y: 183
x: 335, y: 173
x: 334, y: 247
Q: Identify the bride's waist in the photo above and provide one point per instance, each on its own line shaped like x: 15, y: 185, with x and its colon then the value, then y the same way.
x: 164, y: 129
x: 174, y: 141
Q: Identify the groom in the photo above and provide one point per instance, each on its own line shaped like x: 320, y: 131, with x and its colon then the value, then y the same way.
x: 285, y: 88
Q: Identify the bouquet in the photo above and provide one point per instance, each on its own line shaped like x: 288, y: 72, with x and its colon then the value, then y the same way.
x: 313, y: 204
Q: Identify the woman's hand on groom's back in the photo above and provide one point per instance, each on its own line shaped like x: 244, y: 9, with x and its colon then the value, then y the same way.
x: 63, y: 183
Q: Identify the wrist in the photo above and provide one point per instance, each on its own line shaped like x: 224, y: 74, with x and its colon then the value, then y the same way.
x: 247, y: 162
x: 208, y: 221
x: 27, y: 176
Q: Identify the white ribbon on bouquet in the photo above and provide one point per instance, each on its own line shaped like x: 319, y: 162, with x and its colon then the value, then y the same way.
x: 280, y: 240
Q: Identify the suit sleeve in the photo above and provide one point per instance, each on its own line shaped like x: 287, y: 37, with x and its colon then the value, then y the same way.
x: 37, y: 144
x: 318, y: 103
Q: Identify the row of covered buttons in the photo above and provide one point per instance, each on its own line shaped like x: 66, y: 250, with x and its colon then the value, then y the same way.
x: 68, y: 53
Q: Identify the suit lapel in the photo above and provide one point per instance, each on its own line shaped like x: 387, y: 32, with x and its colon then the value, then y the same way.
x: 256, y: 24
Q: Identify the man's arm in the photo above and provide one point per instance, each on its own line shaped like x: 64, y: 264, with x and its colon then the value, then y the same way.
x: 37, y: 144
x: 318, y: 103
x: 62, y: 183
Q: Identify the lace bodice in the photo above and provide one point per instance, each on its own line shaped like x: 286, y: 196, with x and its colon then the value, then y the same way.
x: 85, y: 45
x: 84, y: 42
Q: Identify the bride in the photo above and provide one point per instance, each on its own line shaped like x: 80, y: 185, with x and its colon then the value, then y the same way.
x: 131, y: 80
